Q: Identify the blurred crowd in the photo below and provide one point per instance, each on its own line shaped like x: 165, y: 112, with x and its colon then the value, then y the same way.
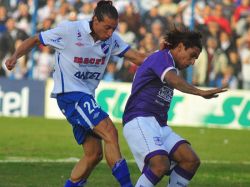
x: 224, y: 24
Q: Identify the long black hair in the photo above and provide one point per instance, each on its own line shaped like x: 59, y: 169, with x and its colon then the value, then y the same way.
x: 183, y: 35
x: 105, y: 8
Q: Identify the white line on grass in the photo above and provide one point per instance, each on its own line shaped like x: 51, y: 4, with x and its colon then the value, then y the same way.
x: 73, y: 160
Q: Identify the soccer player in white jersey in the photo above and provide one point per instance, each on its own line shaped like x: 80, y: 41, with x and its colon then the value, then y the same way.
x: 153, y: 143
x: 82, y: 51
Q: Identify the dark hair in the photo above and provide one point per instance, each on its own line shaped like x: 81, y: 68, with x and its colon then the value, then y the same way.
x: 183, y: 35
x: 105, y: 8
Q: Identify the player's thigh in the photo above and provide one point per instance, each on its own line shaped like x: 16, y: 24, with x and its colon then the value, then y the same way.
x: 106, y: 130
x: 143, y: 137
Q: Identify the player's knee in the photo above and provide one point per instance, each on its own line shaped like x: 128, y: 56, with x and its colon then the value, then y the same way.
x: 193, y: 163
x: 95, y: 158
x: 111, y: 135
x: 160, y: 166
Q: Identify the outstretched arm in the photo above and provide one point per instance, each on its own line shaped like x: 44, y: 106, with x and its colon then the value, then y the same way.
x: 135, y: 56
x: 23, y: 49
x: 180, y: 84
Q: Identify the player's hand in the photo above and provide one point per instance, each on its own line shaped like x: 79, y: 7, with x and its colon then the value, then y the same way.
x: 213, y: 93
x: 10, y: 63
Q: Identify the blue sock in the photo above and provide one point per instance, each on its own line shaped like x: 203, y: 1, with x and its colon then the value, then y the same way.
x: 80, y: 183
x: 121, y: 173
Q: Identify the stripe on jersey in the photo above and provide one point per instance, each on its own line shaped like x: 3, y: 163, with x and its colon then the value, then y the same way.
x: 41, y: 39
x: 78, y: 108
x: 124, y: 51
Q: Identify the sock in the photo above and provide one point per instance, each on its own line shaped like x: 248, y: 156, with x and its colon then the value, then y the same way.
x: 121, y: 173
x: 80, y: 183
x: 147, y: 179
x: 179, y: 177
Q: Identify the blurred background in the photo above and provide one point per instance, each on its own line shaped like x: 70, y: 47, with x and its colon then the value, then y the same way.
x: 225, y: 25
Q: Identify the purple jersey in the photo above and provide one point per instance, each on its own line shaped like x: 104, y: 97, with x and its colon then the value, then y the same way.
x: 151, y: 95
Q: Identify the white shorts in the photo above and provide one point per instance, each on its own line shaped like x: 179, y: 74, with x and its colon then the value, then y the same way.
x: 146, y: 138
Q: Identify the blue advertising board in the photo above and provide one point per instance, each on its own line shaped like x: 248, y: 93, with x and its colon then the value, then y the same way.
x: 21, y: 98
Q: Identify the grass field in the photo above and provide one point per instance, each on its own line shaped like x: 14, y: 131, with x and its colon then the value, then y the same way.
x: 36, y: 152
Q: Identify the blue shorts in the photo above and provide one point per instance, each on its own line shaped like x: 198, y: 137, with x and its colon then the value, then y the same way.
x: 82, y: 112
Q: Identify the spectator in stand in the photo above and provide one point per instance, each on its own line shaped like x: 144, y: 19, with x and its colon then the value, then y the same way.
x: 44, y: 63
x: 46, y: 24
x: 21, y: 70
x: 126, y: 35
x: 212, y: 30
x: 227, y: 78
x: 241, y: 11
x: 63, y: 13
x: 157, y: 32
x: 227, y: 43
x: 7, y: 41
x: 148, y: 43
x: 23, y: 18
x: 234, y: 61
x: 200, y: 69
x: 167, y: 8
x: 153, y: 16
x: 217, y: 61
x: 185, y: 9
x: 3, y: 19
x: 243, y: 44
x: 110, y: 72
x: 85, y: 11
x: 218, y: 17
x: 126, y: 72
x: 46, y: 11
x: 131, y: 17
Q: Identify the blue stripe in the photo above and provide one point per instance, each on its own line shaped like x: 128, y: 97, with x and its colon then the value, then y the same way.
x: 124, y: 51
x: 41, y: 39
x: 58, y: 61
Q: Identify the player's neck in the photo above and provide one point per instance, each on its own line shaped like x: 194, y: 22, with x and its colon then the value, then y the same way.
x: 93, y: 34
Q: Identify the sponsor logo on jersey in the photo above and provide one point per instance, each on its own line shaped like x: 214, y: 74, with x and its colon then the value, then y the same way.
x: 79, y: 44
x: 165, y: 93
x: 57, y: 40
x: 96, y: 61
x: 87, y: 75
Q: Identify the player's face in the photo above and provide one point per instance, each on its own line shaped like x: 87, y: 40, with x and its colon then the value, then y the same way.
x: 104, y: 29
x: 186, y: 57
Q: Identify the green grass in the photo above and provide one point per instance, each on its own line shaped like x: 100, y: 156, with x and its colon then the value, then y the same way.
x: 225, y: 155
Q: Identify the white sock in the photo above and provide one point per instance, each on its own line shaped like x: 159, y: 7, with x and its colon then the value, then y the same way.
x: 143, y: 182
x: 177, y: 180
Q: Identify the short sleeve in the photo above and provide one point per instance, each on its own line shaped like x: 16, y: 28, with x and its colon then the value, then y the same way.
x: 56, y: 37
x: 163, y: 63
x: 119, y: 47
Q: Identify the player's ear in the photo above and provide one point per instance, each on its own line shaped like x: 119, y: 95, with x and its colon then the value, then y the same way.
x: 180, y: 46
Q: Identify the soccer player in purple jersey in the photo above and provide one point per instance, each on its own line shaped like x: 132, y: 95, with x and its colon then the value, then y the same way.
x: 153, y: 143
x: 83, y: 49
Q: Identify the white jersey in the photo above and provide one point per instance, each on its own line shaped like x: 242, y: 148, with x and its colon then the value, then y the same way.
x: 80, y: 61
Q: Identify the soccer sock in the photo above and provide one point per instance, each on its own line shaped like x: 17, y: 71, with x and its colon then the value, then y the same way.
x: 179, y: 177
x: 121, y: 173
x: 80, y: 183
x: 147, y: 179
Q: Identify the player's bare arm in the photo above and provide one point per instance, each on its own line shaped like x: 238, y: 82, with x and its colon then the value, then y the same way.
x: 23, y: 49
x: 135, y: 56
x: 180, y: 84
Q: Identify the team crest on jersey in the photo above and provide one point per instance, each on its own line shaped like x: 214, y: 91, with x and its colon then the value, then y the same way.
x: 158, y: 141
x: 105, y: 47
